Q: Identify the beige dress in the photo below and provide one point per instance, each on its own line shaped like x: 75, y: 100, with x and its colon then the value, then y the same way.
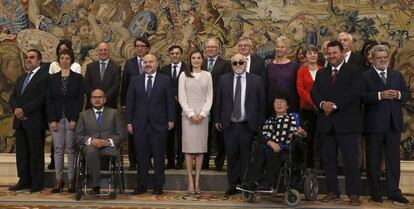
x: 196, y: 97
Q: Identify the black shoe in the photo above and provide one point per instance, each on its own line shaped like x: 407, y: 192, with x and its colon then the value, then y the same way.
x: 399, y: 199
x: 264, y: 187
x: 132, y: 167
x: 157, y: 191
x: 51, y: 165
x: 95, y: 191
x: 19, y: 186
x: 179, y: 166
x: 249, y: 186
x: 139, y: 191
x: 377, y: 198
x: 205, y: 167
x: 219, y: 168
x: 170, y: 166
x: 231, y: 191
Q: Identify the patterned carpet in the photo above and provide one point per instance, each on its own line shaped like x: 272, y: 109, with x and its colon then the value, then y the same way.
x: 170, y: 199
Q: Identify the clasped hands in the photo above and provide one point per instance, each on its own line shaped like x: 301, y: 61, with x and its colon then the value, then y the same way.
x: 99, y: 143
x: 389, y: 94
x: 197, y: 119
x: 328, y: 107
x: 18, y: 112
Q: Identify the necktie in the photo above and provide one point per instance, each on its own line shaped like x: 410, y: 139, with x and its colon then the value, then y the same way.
x: 26, y: 81
x: 334, y: 75
x: 140, y: 68
x: 210, y: 65
x: 103, y: 66
x: 237, y: 100
x: 99, y: 119
x: 174, y: 72
x: 149, y: 85
x: 383, y: 78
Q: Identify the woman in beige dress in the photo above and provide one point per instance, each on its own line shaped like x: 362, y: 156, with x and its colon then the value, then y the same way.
x: 195, y: 94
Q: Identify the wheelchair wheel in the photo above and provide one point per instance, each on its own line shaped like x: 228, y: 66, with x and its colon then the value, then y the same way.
x: 78, y: 195
x: 311, y: 187
x: 248, y: 196
x: 292, y: 197
x: 112, y: 195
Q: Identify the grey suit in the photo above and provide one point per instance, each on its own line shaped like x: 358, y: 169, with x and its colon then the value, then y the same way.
x: 87, y: 128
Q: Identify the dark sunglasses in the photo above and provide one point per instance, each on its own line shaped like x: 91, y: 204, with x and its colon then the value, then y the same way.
x: 239, y: 62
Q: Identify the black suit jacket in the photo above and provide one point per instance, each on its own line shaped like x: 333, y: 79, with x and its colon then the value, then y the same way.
x: 131, y: 69
x: 110, y: 83
x: 356, y: 59
x: 71, y: 102
x: 257, y: 66
x: 254, y: 101
x: 384, y: 115
x: 221, y: 67
x: 32, y: 101
x: 167, y: 70
x: 157, y: 110
x: 346, y: 93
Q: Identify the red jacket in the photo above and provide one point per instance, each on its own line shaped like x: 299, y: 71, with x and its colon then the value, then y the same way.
x: 304, y: 84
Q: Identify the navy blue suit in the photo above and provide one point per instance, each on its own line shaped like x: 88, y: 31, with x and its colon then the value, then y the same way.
x: 238, y: 136
x: 149, y: 117
x: 383, y: 126
x: 343, y: 126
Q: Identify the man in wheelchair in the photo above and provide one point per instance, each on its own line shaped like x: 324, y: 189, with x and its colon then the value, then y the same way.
x: 99, y: 133
x: 276, y: 135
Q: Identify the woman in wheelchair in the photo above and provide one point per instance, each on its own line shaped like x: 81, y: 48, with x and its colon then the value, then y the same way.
x: 277, y: 133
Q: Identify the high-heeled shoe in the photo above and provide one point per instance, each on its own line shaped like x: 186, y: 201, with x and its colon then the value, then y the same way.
x: 58, y: 186
x: 197, y: 190
x: 71, y: 186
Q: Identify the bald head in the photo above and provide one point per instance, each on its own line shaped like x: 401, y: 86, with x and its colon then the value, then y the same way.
x: 238, y: 64
x: 103, y: 51
x: 150, y: 63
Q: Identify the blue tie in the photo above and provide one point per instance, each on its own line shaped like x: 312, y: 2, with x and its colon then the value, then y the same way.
x: 99, y: 119
x: 149, y: 85
x: 26, y: 81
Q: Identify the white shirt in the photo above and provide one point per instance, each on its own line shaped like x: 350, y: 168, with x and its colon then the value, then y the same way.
x: 33, y: 73
x: 243, y: 95
x: 214, y: 60
x: 248, y: 59
x: 347, y: 56
x: 177, y: 69
x: 88, y: 142
x: 338, y: 69
x: 152, y: 79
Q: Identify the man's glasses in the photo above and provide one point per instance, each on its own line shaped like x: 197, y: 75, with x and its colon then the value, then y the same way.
x: 237, y: 62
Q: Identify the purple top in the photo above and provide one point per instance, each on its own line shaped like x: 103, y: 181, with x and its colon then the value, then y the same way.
x: 282, y: 78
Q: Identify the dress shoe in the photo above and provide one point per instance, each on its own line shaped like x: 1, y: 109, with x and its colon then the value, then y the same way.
x: 231, y: 191
x: 330, y: 198
x: 19, y: 186
x: 71, y: 186
x: 249, y: 186
x: 179, y: 166
x: 51, y: 165
x: 355, y: 200
x: 170, y: 166
x: 58, y: 186
x: 377, y: 198
x: 399, y: 199
x: 33, y: 190
x: 132, y: 167
x: 95, y: 191
x: 157, y: 191
x: 218, y: 168
x: 139, y: 191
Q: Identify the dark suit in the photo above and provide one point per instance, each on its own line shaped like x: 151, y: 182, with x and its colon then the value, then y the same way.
x: 343, y: 126
x: 149, y: 117
x: 257, y: 66
x: 109, y: 84
x: 356, y: 59
x: 238, y: 135
x: 221, y: 67
x: 30, y: 132
x: 383, y: 126
x: 112, y: 127
x: 174, y: 142
x: 131, y: 69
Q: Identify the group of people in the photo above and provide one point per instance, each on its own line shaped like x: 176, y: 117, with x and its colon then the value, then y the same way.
x: 179, y: 110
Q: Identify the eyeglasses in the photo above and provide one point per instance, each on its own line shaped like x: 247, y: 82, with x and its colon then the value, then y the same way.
x: 141, y: 46
x: 237, y: 62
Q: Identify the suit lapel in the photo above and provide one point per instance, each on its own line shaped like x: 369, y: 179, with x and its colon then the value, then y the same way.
x: 32, y: 80
x: 92, y: 117
x: 248, y: 80
x: 231, y: 82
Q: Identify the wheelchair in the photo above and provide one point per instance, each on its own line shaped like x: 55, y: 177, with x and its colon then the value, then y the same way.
x: 112, y: 168
x: 292, y: 176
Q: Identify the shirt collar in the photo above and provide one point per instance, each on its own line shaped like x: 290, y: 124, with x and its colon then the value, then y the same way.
x: 178, y: 65
x: 153, y: 75
x: 380, y: 71
x: 248, y: 57
x: 35, y: 70
x: 104, y: 61
x: 96, y: 110
x: 339, y: 66
x: 213, y: 58
x: 243, y: 75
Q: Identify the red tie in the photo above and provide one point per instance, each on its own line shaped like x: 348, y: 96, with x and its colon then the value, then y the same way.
x: 334, y: 74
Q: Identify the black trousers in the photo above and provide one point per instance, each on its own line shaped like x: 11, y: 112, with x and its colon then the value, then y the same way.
x: 149, y: 142
x: 238, y: 139
x: 348, y: 144
x: 309, y: 124
x: 375, y: 143
x: 131, y: 151
x: 30, y: 156
x: 174, y: 152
